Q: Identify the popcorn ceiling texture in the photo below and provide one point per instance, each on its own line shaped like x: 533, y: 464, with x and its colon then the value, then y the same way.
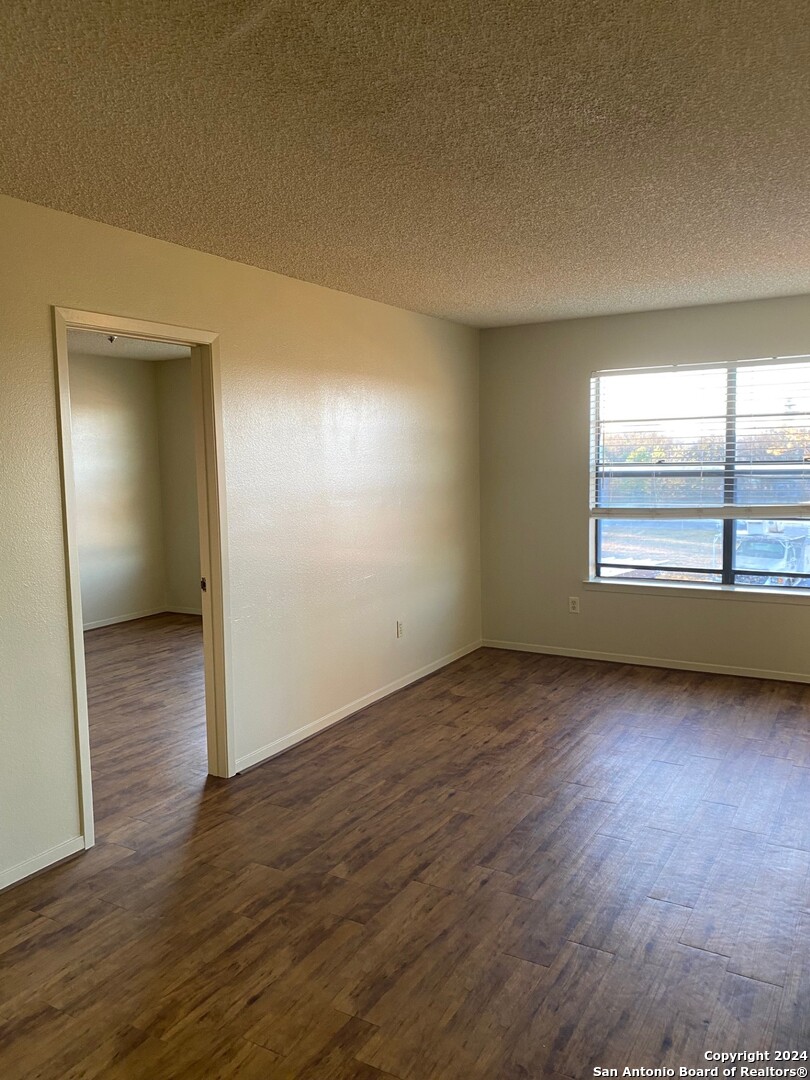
x: 483, y: 160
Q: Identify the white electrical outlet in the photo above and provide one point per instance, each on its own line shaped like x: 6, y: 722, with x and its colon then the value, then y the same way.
x: 573, y: 605
x: 400, y: 629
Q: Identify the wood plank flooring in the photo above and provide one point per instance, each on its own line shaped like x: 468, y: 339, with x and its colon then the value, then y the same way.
x: 520, y: 867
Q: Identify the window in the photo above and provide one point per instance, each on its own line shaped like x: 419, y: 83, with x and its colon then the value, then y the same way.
x: 701, y: 473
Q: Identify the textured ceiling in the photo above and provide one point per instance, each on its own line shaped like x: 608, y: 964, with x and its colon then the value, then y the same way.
x: 492, y: 161
x: 97, y: 343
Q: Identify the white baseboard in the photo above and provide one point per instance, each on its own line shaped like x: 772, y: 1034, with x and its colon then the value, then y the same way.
x: 650, y: 661
x: 308, y: 730
x: 40, y: 862
x: 123, y: 618
x: 165, y: 610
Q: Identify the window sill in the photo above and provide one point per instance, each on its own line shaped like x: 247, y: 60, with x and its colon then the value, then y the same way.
x: 701, y: 592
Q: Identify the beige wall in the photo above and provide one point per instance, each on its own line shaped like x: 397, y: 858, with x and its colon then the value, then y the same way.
x: 351, y: 462
x: 534, y: 481
x: 118, y: 488
x: 136, y: 487
x: 178, y: 479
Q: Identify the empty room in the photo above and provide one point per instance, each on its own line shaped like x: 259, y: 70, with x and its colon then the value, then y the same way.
x: 405, y: 540
x: 132, y: 455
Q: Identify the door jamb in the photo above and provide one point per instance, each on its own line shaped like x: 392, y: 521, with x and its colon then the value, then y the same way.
x: 213, y: 535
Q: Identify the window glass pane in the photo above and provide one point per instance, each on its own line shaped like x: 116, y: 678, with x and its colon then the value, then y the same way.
x: 696, y: 545
x: 660, y: 439
x: 773, y: 432
x: 668, y: 441
x: 764, y: 484
x: 663, y: 395
x: 643, y: 486
x: 773, y: 388
x: 772, y: 553
x: 773, y: 439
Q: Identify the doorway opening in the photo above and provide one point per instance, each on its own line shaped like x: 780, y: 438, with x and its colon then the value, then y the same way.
x: 140, y: 446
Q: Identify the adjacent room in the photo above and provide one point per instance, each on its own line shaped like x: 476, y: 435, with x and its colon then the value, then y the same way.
x: 137, y: 556
x: 405, y: 546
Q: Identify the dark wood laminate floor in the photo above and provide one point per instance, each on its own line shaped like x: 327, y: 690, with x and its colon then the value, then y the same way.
x: 521, y: 867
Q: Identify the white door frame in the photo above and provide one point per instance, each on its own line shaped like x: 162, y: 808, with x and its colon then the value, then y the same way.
x: 213, y: 536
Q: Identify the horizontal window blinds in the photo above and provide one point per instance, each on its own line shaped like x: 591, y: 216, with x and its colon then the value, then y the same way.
x: 705, y: 441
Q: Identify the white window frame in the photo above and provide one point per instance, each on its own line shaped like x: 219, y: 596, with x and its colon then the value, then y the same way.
x: 725, y: 513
